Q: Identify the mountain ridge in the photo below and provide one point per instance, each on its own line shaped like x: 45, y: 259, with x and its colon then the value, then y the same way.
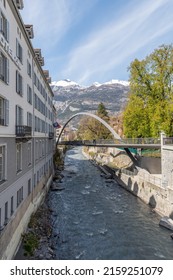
x: 68, y: 83
x: 71, y: 98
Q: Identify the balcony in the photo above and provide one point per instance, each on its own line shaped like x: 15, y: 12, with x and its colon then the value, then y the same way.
x: 19, y: 4
x: 51, y: 135
x: 23, y: 133
x: 29, y: 30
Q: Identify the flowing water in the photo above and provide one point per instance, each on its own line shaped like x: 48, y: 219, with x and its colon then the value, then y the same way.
x: 98, y: 219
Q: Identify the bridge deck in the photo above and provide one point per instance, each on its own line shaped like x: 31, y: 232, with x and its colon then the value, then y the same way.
x: 113, y: 145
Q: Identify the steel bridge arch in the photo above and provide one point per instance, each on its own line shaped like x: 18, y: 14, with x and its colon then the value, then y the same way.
x: 116, y: 136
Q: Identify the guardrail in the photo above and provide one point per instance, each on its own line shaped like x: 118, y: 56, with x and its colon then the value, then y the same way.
x: 114, y: 141
x: 168, y: 141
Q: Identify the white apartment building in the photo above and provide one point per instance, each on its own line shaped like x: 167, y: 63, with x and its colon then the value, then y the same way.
x: 26, y: 127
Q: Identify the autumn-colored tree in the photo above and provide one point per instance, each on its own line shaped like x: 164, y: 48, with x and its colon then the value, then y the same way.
x: 150, y: 106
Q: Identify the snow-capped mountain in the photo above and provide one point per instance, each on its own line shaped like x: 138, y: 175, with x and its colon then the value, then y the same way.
x: 69, y: 83
x: 64, y: 83
x: 70, y: 97
x: 124, y: 83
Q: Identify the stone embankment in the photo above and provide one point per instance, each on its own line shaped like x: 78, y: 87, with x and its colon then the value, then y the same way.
x: 139, y: 181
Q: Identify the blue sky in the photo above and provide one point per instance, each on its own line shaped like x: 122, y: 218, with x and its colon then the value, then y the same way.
x: 90, y: 41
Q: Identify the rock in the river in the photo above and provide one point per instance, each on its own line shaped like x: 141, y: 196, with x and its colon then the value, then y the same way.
x: 166, y: 222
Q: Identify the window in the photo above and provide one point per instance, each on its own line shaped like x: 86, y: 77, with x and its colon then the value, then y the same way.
x: 19, y: 51
x: 29, y: 154
x: 40, y: 149
x: 19, y: 196
x: 38, y: 178
x: 43, y: 148
x: 6, y: 213
x: 37, y: 150
x: 12, y: 205
x: 29, y: 119
x: 35, y: 101
x: 29, y: 186
x: 19, y: 115
x: 4, y: 68
x: 19, y: 83
x: 4, y: 112
x: 29, y: 94
x: 2, y: 163
x: 35, y: 180
x: 35, y: 124
x: 4, y: 26
x: 29, y: 69
x: 18, y: 157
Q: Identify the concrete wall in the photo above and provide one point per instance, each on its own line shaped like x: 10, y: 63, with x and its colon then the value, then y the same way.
x: 122, y: 160
x: 11, y: 235
x: 167, y: 166
x: 159, y: 198
x: 151, y: 164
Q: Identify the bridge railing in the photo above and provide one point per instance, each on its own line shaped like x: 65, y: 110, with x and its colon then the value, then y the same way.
x: 141, y: 140
x: 168, y: 141
x: 114, y: 141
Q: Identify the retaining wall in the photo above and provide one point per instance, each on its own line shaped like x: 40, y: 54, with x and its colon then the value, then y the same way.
x: 11, y: 235
x: 159, y: 198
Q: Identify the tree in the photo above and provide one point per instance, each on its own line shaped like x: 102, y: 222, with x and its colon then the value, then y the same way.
x: 91, y: 128
x: 150, y: 106
x: 102, y: 112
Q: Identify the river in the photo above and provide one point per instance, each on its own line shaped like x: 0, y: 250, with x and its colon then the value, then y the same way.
x: 95, y: 218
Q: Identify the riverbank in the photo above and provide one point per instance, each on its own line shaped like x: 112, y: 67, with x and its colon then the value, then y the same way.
x: 52, y: 228
x: 38, y: 241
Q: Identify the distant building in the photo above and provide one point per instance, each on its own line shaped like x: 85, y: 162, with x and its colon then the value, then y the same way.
x: 27, y: 115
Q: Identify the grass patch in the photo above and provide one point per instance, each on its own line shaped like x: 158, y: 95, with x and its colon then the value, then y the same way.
x: 31, y: 242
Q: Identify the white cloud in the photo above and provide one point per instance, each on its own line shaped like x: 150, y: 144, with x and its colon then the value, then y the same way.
x: 53, y: 19
x: 107, y: 48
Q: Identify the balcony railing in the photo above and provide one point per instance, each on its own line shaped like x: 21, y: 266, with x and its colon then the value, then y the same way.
x: 23, y: 131
x: 51, y: 135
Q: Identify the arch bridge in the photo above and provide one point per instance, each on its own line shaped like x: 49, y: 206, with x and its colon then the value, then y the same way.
x: 115, y: 135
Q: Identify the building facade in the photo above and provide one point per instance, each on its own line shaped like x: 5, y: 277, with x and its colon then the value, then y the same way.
x: 26, y: 127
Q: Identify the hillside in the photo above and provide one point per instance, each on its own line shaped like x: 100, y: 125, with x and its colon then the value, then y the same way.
x: 71, y: 98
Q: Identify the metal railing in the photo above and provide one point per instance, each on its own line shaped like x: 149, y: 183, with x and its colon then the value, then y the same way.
x: 23, y: 131
x: 168, y: 141
x: 51, y: 135
x: 114, y: 141
x: 141, y: 140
